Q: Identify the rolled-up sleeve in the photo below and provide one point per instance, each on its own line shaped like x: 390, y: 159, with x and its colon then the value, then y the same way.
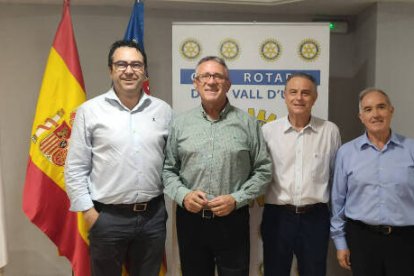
x: 78, y: 165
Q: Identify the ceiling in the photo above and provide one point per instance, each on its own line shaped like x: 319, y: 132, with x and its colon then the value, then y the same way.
x: 305, y: 7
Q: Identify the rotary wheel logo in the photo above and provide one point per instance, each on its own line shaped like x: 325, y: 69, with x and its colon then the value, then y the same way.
x: 270, y: 50
x: 190, y: 49
x: 229, y: 49
x: 309, y: 49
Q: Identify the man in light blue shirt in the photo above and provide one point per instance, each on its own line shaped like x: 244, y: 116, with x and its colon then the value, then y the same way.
x: 372, y: 221
x: 113, y: 169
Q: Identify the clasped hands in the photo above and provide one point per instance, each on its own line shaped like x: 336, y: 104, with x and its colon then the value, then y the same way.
x: 221, y: 206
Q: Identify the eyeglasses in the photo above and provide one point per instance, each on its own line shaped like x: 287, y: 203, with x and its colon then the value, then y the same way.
x: 206, y: 77
x: 123, y: 65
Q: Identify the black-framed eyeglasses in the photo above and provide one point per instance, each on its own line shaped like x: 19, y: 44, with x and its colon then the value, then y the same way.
x: 123, y: 65
x: 206, y: 77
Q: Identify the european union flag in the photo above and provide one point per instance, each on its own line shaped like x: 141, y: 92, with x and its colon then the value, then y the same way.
x: 135, y: 29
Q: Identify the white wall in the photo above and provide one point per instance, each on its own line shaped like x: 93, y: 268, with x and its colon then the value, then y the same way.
x: 395, y: 61
x: 353, y: 62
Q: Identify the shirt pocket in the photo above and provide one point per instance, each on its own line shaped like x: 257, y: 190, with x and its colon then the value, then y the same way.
x: 239, y: 150
x: 320, y: 167
x: 401, y: 180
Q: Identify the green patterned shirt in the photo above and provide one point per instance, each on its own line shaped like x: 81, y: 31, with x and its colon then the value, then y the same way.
x: 226, y: 156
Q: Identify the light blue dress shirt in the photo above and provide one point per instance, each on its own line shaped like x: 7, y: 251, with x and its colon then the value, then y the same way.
x: 372, y: 185
x: 116, y: 154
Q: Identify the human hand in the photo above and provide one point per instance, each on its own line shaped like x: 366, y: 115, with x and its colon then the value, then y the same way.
x: 222, y: 205
x: 90, y: 216
x: 343, y: 257
x: 194, y: 201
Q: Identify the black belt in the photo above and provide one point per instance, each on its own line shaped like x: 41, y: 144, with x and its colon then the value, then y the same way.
x: 382, y: 229
x: 301, y: 209
x: 133, y: 207
x: 208, y: 214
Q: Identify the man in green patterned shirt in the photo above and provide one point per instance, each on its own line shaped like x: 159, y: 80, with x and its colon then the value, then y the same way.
x: 216, y: 162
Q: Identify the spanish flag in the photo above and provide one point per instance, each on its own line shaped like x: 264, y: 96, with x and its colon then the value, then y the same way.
x: 45, y: 201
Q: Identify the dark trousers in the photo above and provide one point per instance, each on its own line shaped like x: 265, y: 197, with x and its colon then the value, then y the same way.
x: 122, y: 236
x: 377, y: 254
x: 222, y: 241
x: 286, y: 233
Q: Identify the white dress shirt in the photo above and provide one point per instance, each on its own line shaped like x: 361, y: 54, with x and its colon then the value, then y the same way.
x: 303, y: 161
x: 116, y: 154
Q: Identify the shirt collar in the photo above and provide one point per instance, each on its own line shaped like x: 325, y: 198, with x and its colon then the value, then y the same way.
x: 364, y: 141
x: 111, y: 95
x: 144, y: 101
x: 311, y: 125
x: 223, y: 112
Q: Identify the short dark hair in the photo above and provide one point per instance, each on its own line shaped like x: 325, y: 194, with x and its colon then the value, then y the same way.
x: 126, y: 43
x: 302, y: 75
x: 213, y: 58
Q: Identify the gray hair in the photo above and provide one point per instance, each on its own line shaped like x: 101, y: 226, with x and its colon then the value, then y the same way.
x: 213, y: 58
x: 302, y: 75
x: 369, y: 90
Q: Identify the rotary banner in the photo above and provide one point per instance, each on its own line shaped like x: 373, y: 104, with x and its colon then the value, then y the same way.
x: 45, y: 201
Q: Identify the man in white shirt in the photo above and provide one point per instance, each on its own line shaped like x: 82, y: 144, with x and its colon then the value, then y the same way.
x: 296, y: 215
x: 113, y: 169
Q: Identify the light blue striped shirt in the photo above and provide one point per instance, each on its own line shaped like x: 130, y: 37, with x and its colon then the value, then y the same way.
x: 116, y: 154
x: 373, y: 186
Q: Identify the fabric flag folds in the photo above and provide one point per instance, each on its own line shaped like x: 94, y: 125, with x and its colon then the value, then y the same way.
x: 135, y: 32
x: 45, y: 201
x: 3, y: 246
x: 135, y: 28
